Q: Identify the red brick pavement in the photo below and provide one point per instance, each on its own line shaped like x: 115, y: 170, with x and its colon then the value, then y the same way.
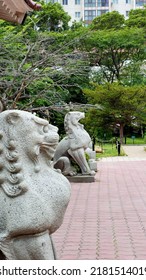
x: 106, y: 219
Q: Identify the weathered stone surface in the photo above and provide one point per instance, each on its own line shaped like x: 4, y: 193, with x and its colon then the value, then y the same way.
x: 33, y: 196
x: 91, y: 153
x: 92, y: 159
x: 79, y: 178
x: 73, y: 146
x: 93, y: 164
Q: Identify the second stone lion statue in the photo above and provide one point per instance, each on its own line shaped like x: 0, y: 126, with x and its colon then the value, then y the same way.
x: 73, y: 146
x: 33, y: 196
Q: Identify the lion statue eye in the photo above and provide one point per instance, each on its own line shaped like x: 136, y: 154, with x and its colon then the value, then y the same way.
x: 46, y: 128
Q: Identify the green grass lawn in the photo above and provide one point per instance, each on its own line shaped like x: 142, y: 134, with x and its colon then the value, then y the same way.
x: 109, y: 150
x: 136, y: 141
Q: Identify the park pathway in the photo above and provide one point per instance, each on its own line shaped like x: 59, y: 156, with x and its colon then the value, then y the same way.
x: 135, y: 151
x: 107, y: 219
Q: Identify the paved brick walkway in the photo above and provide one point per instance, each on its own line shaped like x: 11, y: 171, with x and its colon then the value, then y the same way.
x: 107, y: 219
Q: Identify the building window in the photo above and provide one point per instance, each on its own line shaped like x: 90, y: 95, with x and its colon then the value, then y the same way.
x: 127, y: 13
x: 103, y: 3
x: 89, y: 3
x: 89, y: 15
x: 115, y: 1
x: 101, y: 12
x: 64, y: 2
x: 128, y: 1
x: 77, y: 14
x: 140, y: 2
x: 77, y: 2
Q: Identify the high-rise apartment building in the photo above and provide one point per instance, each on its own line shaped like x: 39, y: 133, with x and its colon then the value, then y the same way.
x: 87, y: 10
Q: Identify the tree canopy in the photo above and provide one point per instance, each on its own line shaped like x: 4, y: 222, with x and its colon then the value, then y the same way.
x: 51, y: 17
x: 43, y: 69
x: 120, y: 105
x: 38, y: 68
x: 137, y: 18
x: 110, y: 20
x: 110, y: 50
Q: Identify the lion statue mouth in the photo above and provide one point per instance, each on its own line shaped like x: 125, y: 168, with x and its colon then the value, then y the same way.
x: 48, y: 148
x: 48, y: 145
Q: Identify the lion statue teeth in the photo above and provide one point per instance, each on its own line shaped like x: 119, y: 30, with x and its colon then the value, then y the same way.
x: 73, y: 146
x: 33, y: 196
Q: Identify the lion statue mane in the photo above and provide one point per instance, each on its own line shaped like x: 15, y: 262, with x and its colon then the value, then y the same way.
x: 33, y: 196
x: 74, y: 146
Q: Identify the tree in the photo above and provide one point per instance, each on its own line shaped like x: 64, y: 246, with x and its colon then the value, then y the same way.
x: 110, y: 20
x: 38, y: 69
x: 134, y: 73
x: 137, y: 18
x: 77, y: 25
x: 110, y: 50
x: 52, y: 17
x: 121, y: 105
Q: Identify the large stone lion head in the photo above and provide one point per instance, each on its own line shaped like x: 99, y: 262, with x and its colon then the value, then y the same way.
x: 24, y: 137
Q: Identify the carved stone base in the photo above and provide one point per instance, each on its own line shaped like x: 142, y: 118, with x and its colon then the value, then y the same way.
x: 79, y: 178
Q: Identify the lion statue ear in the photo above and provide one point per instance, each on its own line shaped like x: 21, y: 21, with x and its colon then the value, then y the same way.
x: 12, y: 117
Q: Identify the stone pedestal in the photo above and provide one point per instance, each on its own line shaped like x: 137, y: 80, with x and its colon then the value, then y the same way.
x: 80, y: 178
x: 93, y: 164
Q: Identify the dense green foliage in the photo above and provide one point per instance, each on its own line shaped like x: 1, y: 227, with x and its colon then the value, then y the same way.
x: 111, y: 50
x: 39, y: 68
x: 107, y: 21
x: 137, y: 18
x: 46, y: 65
x: 120, y: 105
x: 52, y: 17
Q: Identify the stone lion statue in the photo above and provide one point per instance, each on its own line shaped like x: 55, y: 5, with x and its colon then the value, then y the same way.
x: 73, y: 146
x: 33, y: 196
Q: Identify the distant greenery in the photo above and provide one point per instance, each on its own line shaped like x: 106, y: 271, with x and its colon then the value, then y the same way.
x: 136, y: 141
x: 119, y: 104
x: 110, y: 20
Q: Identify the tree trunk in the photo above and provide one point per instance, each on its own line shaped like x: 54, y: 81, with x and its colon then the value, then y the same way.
x: 121, y: 132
